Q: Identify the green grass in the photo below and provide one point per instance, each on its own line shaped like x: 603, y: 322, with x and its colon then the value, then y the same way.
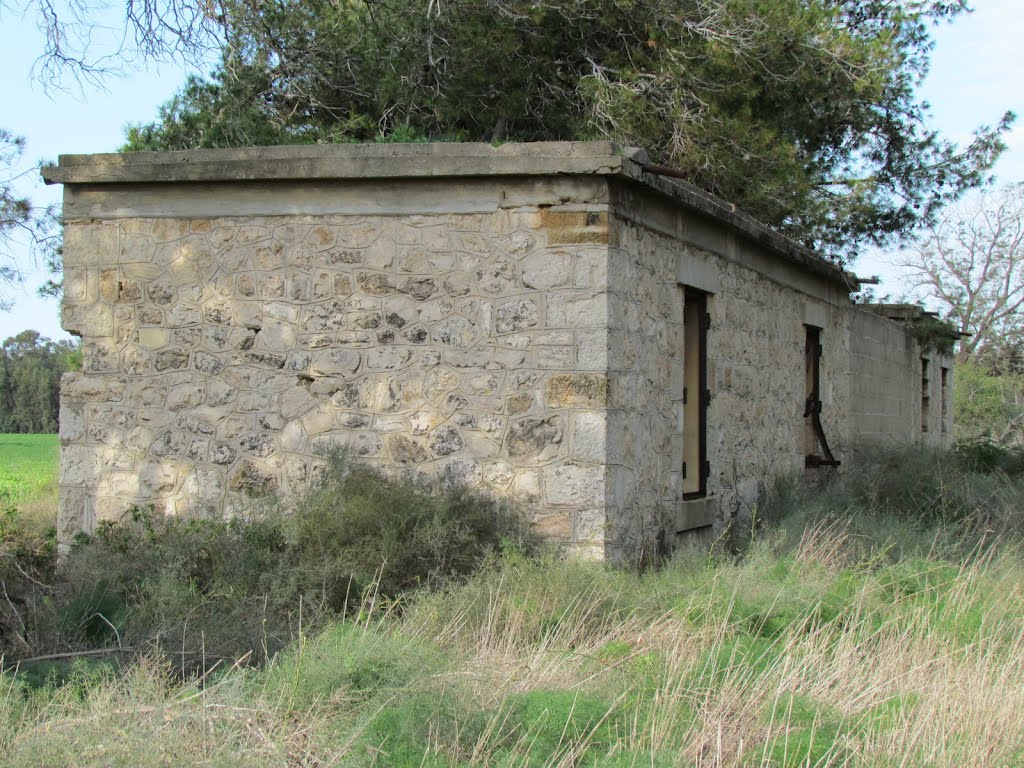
x: 878, y: 623
x: 28, y: 467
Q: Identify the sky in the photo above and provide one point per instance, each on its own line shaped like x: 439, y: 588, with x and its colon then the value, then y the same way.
x: 976, y: 75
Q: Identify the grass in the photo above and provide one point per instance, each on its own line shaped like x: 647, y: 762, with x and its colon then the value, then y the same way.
x: 28, y: 467
x: 869, y: 625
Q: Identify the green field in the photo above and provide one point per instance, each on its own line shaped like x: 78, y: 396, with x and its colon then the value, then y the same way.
x: 28, y: 466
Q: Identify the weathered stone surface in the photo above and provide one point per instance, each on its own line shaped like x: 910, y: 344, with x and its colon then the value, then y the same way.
x: 75, y: 387
x: 420, y: 288
x: 170, y: 360
x: 387, y: 358
x: 261, y: 445
x: 446, y: 440
x: 510, y: 345
x: 223, y: 453
x: 407, y: 450
x: 586, y: 390
x: 547, y: 270
x: 250, y: 477
x: 540, y: 437
x: 457, y: 332
x: 515, y: 315
x: 574, y: 485
x: 375, y: 283
x: 334, y: 362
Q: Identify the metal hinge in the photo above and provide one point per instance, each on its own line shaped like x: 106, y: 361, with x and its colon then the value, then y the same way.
x: 684, y: 470
x: 684, y: 395
x: 707, y: 469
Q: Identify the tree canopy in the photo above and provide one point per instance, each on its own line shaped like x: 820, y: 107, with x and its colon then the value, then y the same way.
x: 802, y: 112
x: 30, y: 371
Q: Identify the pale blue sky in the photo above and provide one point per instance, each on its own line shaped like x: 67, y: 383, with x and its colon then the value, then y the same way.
x: 977, y: 74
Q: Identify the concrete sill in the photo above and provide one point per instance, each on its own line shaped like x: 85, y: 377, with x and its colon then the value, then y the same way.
x: 696, y: 513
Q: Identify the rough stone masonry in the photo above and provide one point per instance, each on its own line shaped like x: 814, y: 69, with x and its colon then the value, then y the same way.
x: 512, y: 318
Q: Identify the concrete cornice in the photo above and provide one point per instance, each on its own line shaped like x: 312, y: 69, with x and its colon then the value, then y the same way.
x: 339, y: 162
x: 367, y: 162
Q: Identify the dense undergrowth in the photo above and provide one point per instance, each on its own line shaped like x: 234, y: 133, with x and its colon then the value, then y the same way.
x: 875, y: 619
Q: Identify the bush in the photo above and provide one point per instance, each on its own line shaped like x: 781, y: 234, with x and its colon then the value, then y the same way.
x: 359, y: 528
x: 914, y: 498
x: 205, y: 591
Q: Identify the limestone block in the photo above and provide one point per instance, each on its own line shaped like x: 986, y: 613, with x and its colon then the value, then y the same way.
x: 379, y: 255
x: 574, y: 484
x: 463, y: 471
x: 476, y: 358
x: 89, y: 244
x: 80, y: 465
x: 407, y: 451
x: 168, y: 444
x: 91, y: 388
x: 497, y: 278
x: 517, y: 315
x: 365, y: 320
x: 72, y: 422
x: 388, y: 358
x: 577, y: 390
x: 547, y: 270
x: 457, y: 332
x: 295, y: 402
x: 539, y: 438
x: 334, y: 362
x: 99, y: 357
x: 157, y: 479
x: 592, y: 350
x: 256, y: 401
x: 420, y: 288
x: 577, y: 310
x: 253, y: 477
x: 498, y: 475
x: 591, y: 268
x: 510, y: 358
x: 88, y: 320
x: 271, y: 286
x: 588, y: 430
x: 257, y: 444
x: 375, y: 283
x: 591, y: 526
x: 555, y: 358
x: 446, y: 440
x: 555, y: 526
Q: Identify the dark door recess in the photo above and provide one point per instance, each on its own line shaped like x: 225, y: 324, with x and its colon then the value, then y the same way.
x: 696, y: 396
x: 817, y: 452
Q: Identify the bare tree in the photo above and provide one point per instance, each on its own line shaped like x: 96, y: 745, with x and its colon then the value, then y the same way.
x: 971, y: 264
x: 85, y: 40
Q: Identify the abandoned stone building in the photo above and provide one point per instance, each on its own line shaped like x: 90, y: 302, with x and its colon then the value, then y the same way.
x: 559, y: 323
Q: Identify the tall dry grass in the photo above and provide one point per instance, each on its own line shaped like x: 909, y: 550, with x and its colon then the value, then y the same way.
x: 855, y: 632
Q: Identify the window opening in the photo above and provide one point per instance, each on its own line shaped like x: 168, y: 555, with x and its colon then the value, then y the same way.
x: 696, y: 396
x: 816, y: 450
x: 925, y: 399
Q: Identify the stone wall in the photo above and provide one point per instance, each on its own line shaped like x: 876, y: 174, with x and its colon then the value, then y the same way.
x: 222, y: 355
x: 755, y: 370
x: 507, y: 317
x: 886, y: 385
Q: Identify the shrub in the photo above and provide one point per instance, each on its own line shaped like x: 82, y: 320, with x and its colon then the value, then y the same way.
x: 211, y: 590
x: 359, y: 527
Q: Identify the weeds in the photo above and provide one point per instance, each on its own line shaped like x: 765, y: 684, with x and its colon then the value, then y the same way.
x: 862, y: 628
